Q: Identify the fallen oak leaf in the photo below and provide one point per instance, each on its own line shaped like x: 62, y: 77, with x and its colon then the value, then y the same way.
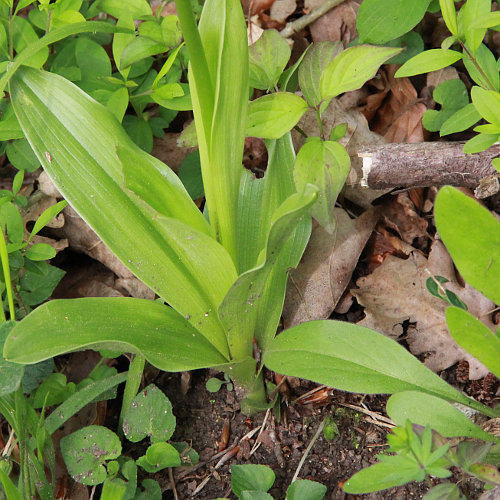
x: 396, y: 292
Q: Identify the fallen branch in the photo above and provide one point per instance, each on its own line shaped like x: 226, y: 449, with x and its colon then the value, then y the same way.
x: 302, y: 22
x: 427, y: 164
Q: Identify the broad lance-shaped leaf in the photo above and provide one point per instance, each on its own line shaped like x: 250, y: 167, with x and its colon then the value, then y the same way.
x: 350, y: 69
x: 475, y: 337
x: 441, y: 416
x: 353, y: 358
x: 157, y: 332
x: 325, y: 164
x: 239, y: 309
x: 430, y: 60
x: 472, y: 236
x: 76, y: 140
x: 259, y: 198
x: 221, y: 129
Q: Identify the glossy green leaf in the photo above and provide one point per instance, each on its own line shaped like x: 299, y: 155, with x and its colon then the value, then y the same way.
x: 273, y: 115
x: 239, y: 309
x: 85, y: 452
x: 11, y: 374
x: 460, y: 120
x: 11, y: 492
x: 380, y: 476
x: 251, y: 477
x: 382, y: 20
x: 140, y: 48
x: 149, y: 415
x: 315, y: 61
x: 469, y: 13
x: 54, y: 36
x: 350, y: 69
x: 268, y: 58
x: 303, y: 488
x: 441, y: 416
x: 488, y: 77
x: 452, y: 96
x: 489, y: 20
x: 326, y: 165
x: 21, y: 155
x: 430, y: 60
x: 76, y: 141
x: 157, y: 332
x: 472, y: 236
x: 352, y: 358
x: 487, y: 103
x: 475, y: 337
x: 449, y: 15
x: 80, y: 399
x: 479, y: 143
x: 158, y: 456
x: 220, y: 101
x: 23, y: 35
x: 117, y: 8
x: 40, y: 251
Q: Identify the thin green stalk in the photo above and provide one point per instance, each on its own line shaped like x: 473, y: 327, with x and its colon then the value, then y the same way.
x: 4, y: 256
x: 11, y: 36
x: 132, y: 385
x: 197, y: 59
x: 478, y: 67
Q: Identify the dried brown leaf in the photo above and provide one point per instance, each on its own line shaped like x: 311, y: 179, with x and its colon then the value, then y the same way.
x: 396, y: 292
x: 326, y: 267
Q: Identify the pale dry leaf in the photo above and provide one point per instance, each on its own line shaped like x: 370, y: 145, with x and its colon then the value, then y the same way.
x: 166, y: 149
x: 434, y: 78
x: 281, y: 9
x: 400, y: 214
x: 337, y: 24
x: 396, y: 292
x: 324, y: 272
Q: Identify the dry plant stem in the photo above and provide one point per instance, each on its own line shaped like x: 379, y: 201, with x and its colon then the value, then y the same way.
x: 308, y: 449
x: 172, y: 483
x: 425, y: 164
x: 308, y: 19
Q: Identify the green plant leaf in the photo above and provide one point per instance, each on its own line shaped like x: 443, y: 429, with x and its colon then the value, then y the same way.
x: 475, y: 337
x: 268, y: 58
x: 460, y: 120
x: 149, y: 415
x: 23, y: 35
x: 161, y: 455
x: 157, y: 332
x: 11, y: 374
x: 479, y: 143
x: 487, y: 103
x: 113, y: 489
x: 9, y: 487
x: 449, y: 15
x: 53, y: 390
x: 52, y: 37
x: 214, y: 384
x: 273, y: 115
x: 382, y: 20
x: 85, y: 452
x: 430, y: 60
x: 118, y: 8
x: 472, y: 236
x: 251, y: 477
x: 444, y: 491
x: 40, y: 251
x: 21, y: 155
x: 140, y: 48
x: 469, y: 13
x: 424, y: 409
x: 381, y: 476
x: 488, y: 77
x: 452, y: 96
x: 486, y: 472
x: 303, y: 488
x: 80, y: 399
x: 76, y: 140
x: 186, y: 452
x: 315, y: 61
x: 326, y: 165
x: 239, y: 309
x: 255, y: 495
x: 353, y: 358
x: 350, y: 69
x: 219, y: 94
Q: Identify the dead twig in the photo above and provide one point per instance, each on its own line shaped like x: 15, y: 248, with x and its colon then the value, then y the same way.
x: 308, y: 449
x: 308, y: 19
x: 172, y: 483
